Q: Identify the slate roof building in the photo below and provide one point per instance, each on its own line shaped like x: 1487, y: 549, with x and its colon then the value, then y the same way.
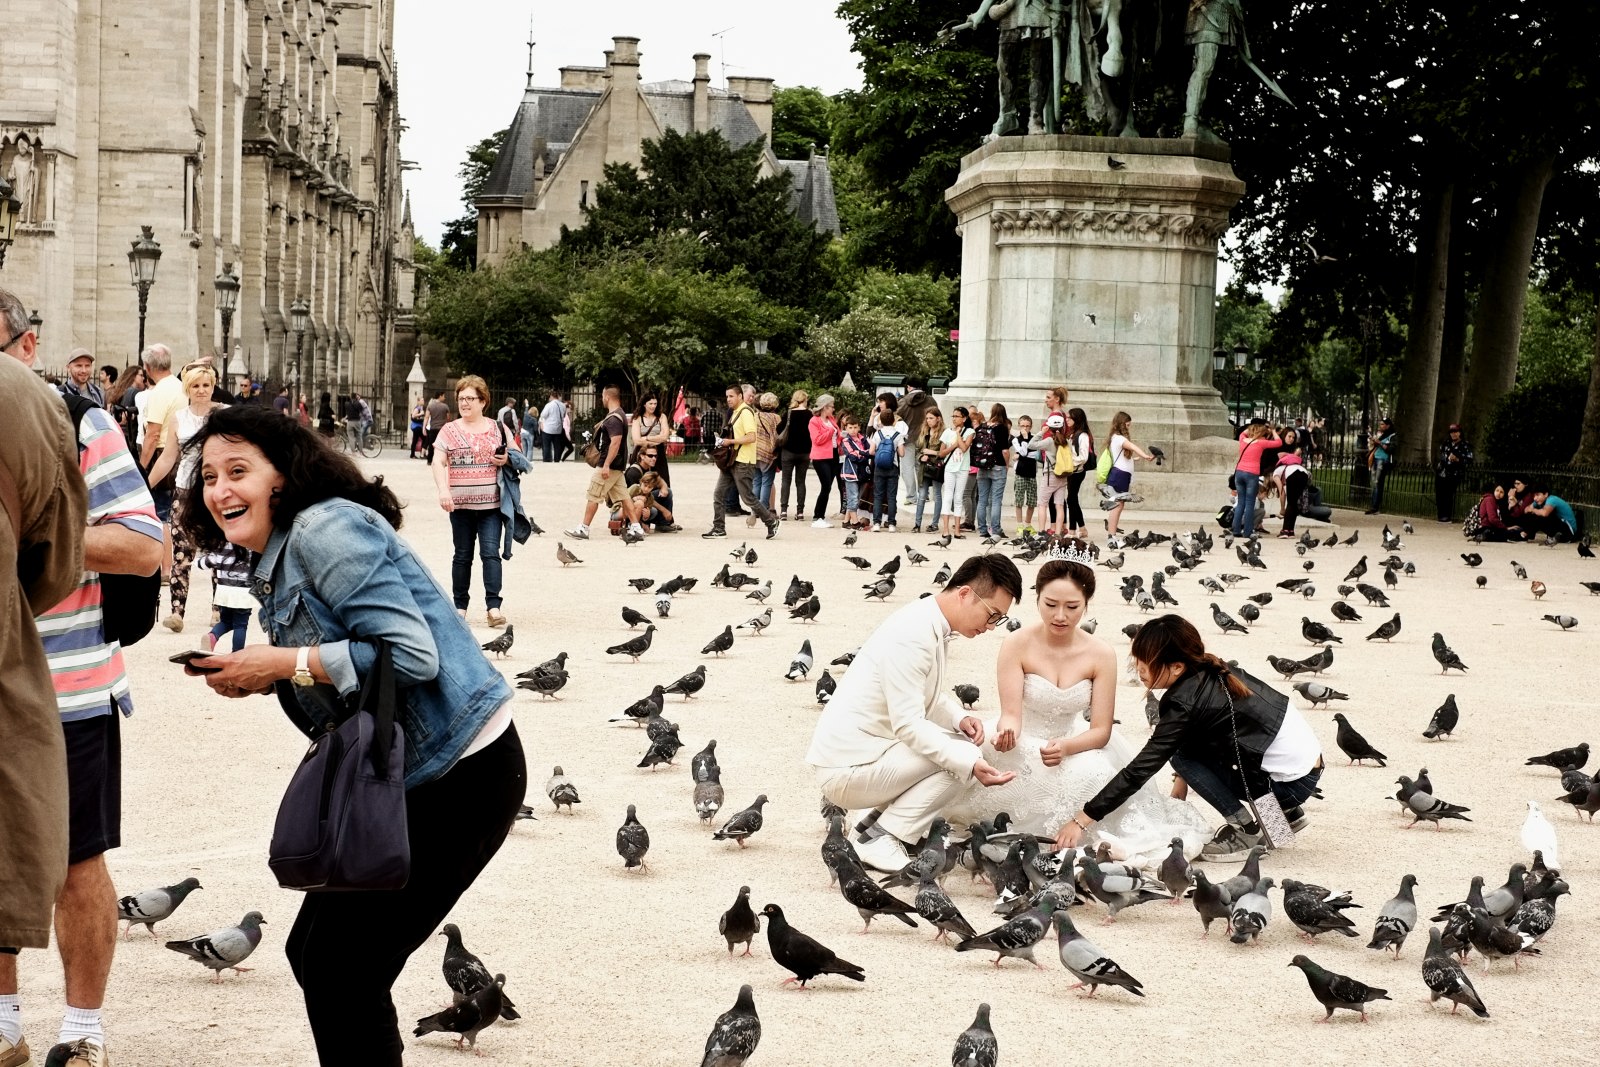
x: 561, y: 139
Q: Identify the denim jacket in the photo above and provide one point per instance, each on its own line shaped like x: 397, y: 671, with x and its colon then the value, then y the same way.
x: 515, y: 524
x: 341, y: 573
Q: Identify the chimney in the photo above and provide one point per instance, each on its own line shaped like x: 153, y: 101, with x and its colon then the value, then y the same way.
x: 702, y: 92
x: 608, y: 54
x: 757, y: 96
x: 589, y: 78
x: 624, y: 51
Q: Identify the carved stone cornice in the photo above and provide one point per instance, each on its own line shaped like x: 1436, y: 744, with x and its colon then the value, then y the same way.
x: 1055, y: 221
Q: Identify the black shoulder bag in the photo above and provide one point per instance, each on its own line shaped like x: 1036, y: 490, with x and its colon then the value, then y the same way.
x: 342, y: 822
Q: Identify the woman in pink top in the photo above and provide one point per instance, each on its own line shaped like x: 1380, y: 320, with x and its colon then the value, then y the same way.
x: 466, y: 471
x: 824, y: 457
x: 1256, y: 439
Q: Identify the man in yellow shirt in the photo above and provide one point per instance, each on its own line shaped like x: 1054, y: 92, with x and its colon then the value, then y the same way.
x: 742, y: 425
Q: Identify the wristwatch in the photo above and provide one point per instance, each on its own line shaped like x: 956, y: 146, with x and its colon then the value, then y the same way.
x: 302, y: 667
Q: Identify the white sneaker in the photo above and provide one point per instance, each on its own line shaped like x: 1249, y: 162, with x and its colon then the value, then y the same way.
x: 884, y: 853
x: 821, y: 524
x: 636, y: 529
x: 579, y: 533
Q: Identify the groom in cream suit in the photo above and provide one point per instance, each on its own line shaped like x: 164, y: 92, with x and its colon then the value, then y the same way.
x: 893, y: 740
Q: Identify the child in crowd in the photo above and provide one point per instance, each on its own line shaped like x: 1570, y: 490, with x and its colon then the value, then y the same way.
x: 887, y: 445
x: 230, y: 593
x: 853, y: 449
x: 1025, y: 479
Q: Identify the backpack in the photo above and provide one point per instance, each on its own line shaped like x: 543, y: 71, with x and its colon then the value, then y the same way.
x: 883, y: 457
x: 1064, y: 461
x: 983, y: 447
x: 128, y: 602
x: 1102, y: 470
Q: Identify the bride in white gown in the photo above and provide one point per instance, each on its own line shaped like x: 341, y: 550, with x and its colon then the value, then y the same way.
x: 1057, y: 699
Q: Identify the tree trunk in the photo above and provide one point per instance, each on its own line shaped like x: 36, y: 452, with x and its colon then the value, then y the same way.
x: 1419, y: 376
x: 1502, y: 298
x: 1588, y: 454
x: 1452, y: 349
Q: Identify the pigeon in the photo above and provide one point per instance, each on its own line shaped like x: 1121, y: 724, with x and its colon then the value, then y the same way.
x: 1494, y: 941
x: 977, y: 1047
x: 1536, y: 917
x: 1117, y: 891
x: 1562, y: 758
x: 757, y: 624
x: 739, y: 552
x: 943, y: 542
x: 804, y: 956
x: 154, y: 905
x: 1087, y: 962
x: 708, y: 798
x: 465, y: 973
x: 931, y: 857
x: 549, y: 666
x: 1262, y: 599
x: 224, y: 949
x: 1386, y: 631
x: 1316, y: 910
x: 750, y: 558
x: 1317, y: 693
x: 967, y: 694
x: 1593, y: 587
x: 663, y: 605
x: 797, y: 591
x: 559, y: 788
x: 1539, y: 836
x: 1210, y: 900
x: 1374, y: 596
x: 1584, y: 551
x: 1444, y: 720
x: 743, y: 825
x: 720, y: 643
x: 1389, y: 578
x: 1344, y: 612
x: 1250, y: 913
x: 738, y: 580
x: 1358, y: 570
x: 1288, y: 667
x: 944, y: 573
x: 634, y: 618
x: 1483, y: 581
x: 641, y: 585
x: 1320, y: 661
x: 664, y: 745
x: 739, y: 923
x: 1396, y: 919
x: 1565, y: 622
x: 736, y: 1033
x: 1446, y: 978
x: 1353, y: 745
x: 546, y: 685
x: 1249, y: 612
x: 1174, y: 871
x: 934, y: 905
x: 807, y: 611
x: 643, y: 708
x: 1015, y: 937
x: 564, y: 556
x: 892, y: 567
x: 1472, y: 559
x: 1225, y: 622
x: 502, y: 644
x: 633, y: 841
x: 703, y: 767
x: 468, y: 1018
x: 1445, y: 656
x: 1308, y: 591
x: 915, y: 558
x: 1425, y: 807
x: 879, y: 590
x: 836, y: 846
x: 800, y: 666
x: 868, y: 897
x: 1336, y: 990
x: 689, y: 684
x: 634, y: 647
x: 850, y: 539
x: 857, y: 562
x: 1317, y: 633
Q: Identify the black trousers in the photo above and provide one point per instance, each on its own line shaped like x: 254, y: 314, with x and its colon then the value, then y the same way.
x: 794, y: 466
x: 347, y: 949
x: 827, y: 473
x: 428, y: 443
x: 1293, y: 486
x: 1075, y: 520
x: 1444, y: 491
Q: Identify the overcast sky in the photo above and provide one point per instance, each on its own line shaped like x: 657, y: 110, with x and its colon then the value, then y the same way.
x: 463, y: 65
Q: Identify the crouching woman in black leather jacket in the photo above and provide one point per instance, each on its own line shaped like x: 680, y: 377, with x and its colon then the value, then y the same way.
x: 1276, y: 747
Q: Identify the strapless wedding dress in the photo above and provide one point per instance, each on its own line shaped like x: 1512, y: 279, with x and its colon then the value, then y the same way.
x: 1041, y: 799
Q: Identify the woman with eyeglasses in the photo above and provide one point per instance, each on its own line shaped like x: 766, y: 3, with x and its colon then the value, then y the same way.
x: 199, y: 381
x: 467, y: 459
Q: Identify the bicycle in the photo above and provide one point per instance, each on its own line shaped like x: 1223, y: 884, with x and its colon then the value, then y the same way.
x: 371, y: 446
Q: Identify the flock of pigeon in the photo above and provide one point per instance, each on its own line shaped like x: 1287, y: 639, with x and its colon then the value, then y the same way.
x: 985, y: 888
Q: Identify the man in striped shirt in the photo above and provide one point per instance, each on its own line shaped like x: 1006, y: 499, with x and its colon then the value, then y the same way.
x: 92, y: 694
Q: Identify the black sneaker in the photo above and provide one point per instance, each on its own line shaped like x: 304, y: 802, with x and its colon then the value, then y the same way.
x: 1230, y: 843
x: 1297, y: 818
x: 715, y: 531
x: 772, y: 529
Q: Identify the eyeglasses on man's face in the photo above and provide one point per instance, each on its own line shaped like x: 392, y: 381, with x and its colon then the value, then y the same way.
x: 996, y: 618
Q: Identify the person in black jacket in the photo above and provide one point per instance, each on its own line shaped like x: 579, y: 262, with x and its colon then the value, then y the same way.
x: 1228, y: 735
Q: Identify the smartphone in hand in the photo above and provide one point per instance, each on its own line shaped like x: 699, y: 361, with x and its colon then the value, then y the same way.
x: 186, y: 659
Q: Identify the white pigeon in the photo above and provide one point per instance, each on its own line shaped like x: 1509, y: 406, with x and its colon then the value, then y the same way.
x: 1539, y: 836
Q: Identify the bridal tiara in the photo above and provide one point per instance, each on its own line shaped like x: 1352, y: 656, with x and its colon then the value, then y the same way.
x: 1071, y: 553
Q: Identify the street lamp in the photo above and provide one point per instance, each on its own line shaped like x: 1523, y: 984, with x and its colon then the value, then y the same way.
x: 1221, y: 369
x: 142, y: 260
x: 227, y: 287
x: 299, y: 319
x: 37, y: 323
x: 10, y: 208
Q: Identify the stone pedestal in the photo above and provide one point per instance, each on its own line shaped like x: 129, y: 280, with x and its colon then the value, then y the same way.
x: 1101, y: 278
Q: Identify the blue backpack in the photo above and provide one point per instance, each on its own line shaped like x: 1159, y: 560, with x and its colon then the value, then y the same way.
x: 884, y: 457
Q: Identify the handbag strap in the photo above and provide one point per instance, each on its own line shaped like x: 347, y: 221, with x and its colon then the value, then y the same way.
x: 1238, y: 754
x: 377, y: 699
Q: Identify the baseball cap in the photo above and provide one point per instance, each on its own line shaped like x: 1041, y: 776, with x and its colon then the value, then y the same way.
x: 1455, y: 427
x: 1055, y: 422
x: 79, y: 353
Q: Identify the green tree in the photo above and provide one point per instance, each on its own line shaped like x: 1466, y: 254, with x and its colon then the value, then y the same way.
x: 698, y: 185
x: 459, y: 245
x: 873, y: 340
x: 650, y: 316
x: 802, y: 122
x: 501, y: 321
x: 919, y: 296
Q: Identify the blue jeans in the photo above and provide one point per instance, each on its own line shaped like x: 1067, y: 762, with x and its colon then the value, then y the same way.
x: 991, y: 500
x: 762, y: 483
x: 1222, y: 788
x: 234, y: 620
x: 1244, y: 505
x: 852, y: 494
x: 480, y: 527
x: 526, y: 437
x: 884, y: 482
x: 925, y: 491
x: 1380, y: 474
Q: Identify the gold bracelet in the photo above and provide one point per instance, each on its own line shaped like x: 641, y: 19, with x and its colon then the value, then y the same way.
x: 1081, y: 826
